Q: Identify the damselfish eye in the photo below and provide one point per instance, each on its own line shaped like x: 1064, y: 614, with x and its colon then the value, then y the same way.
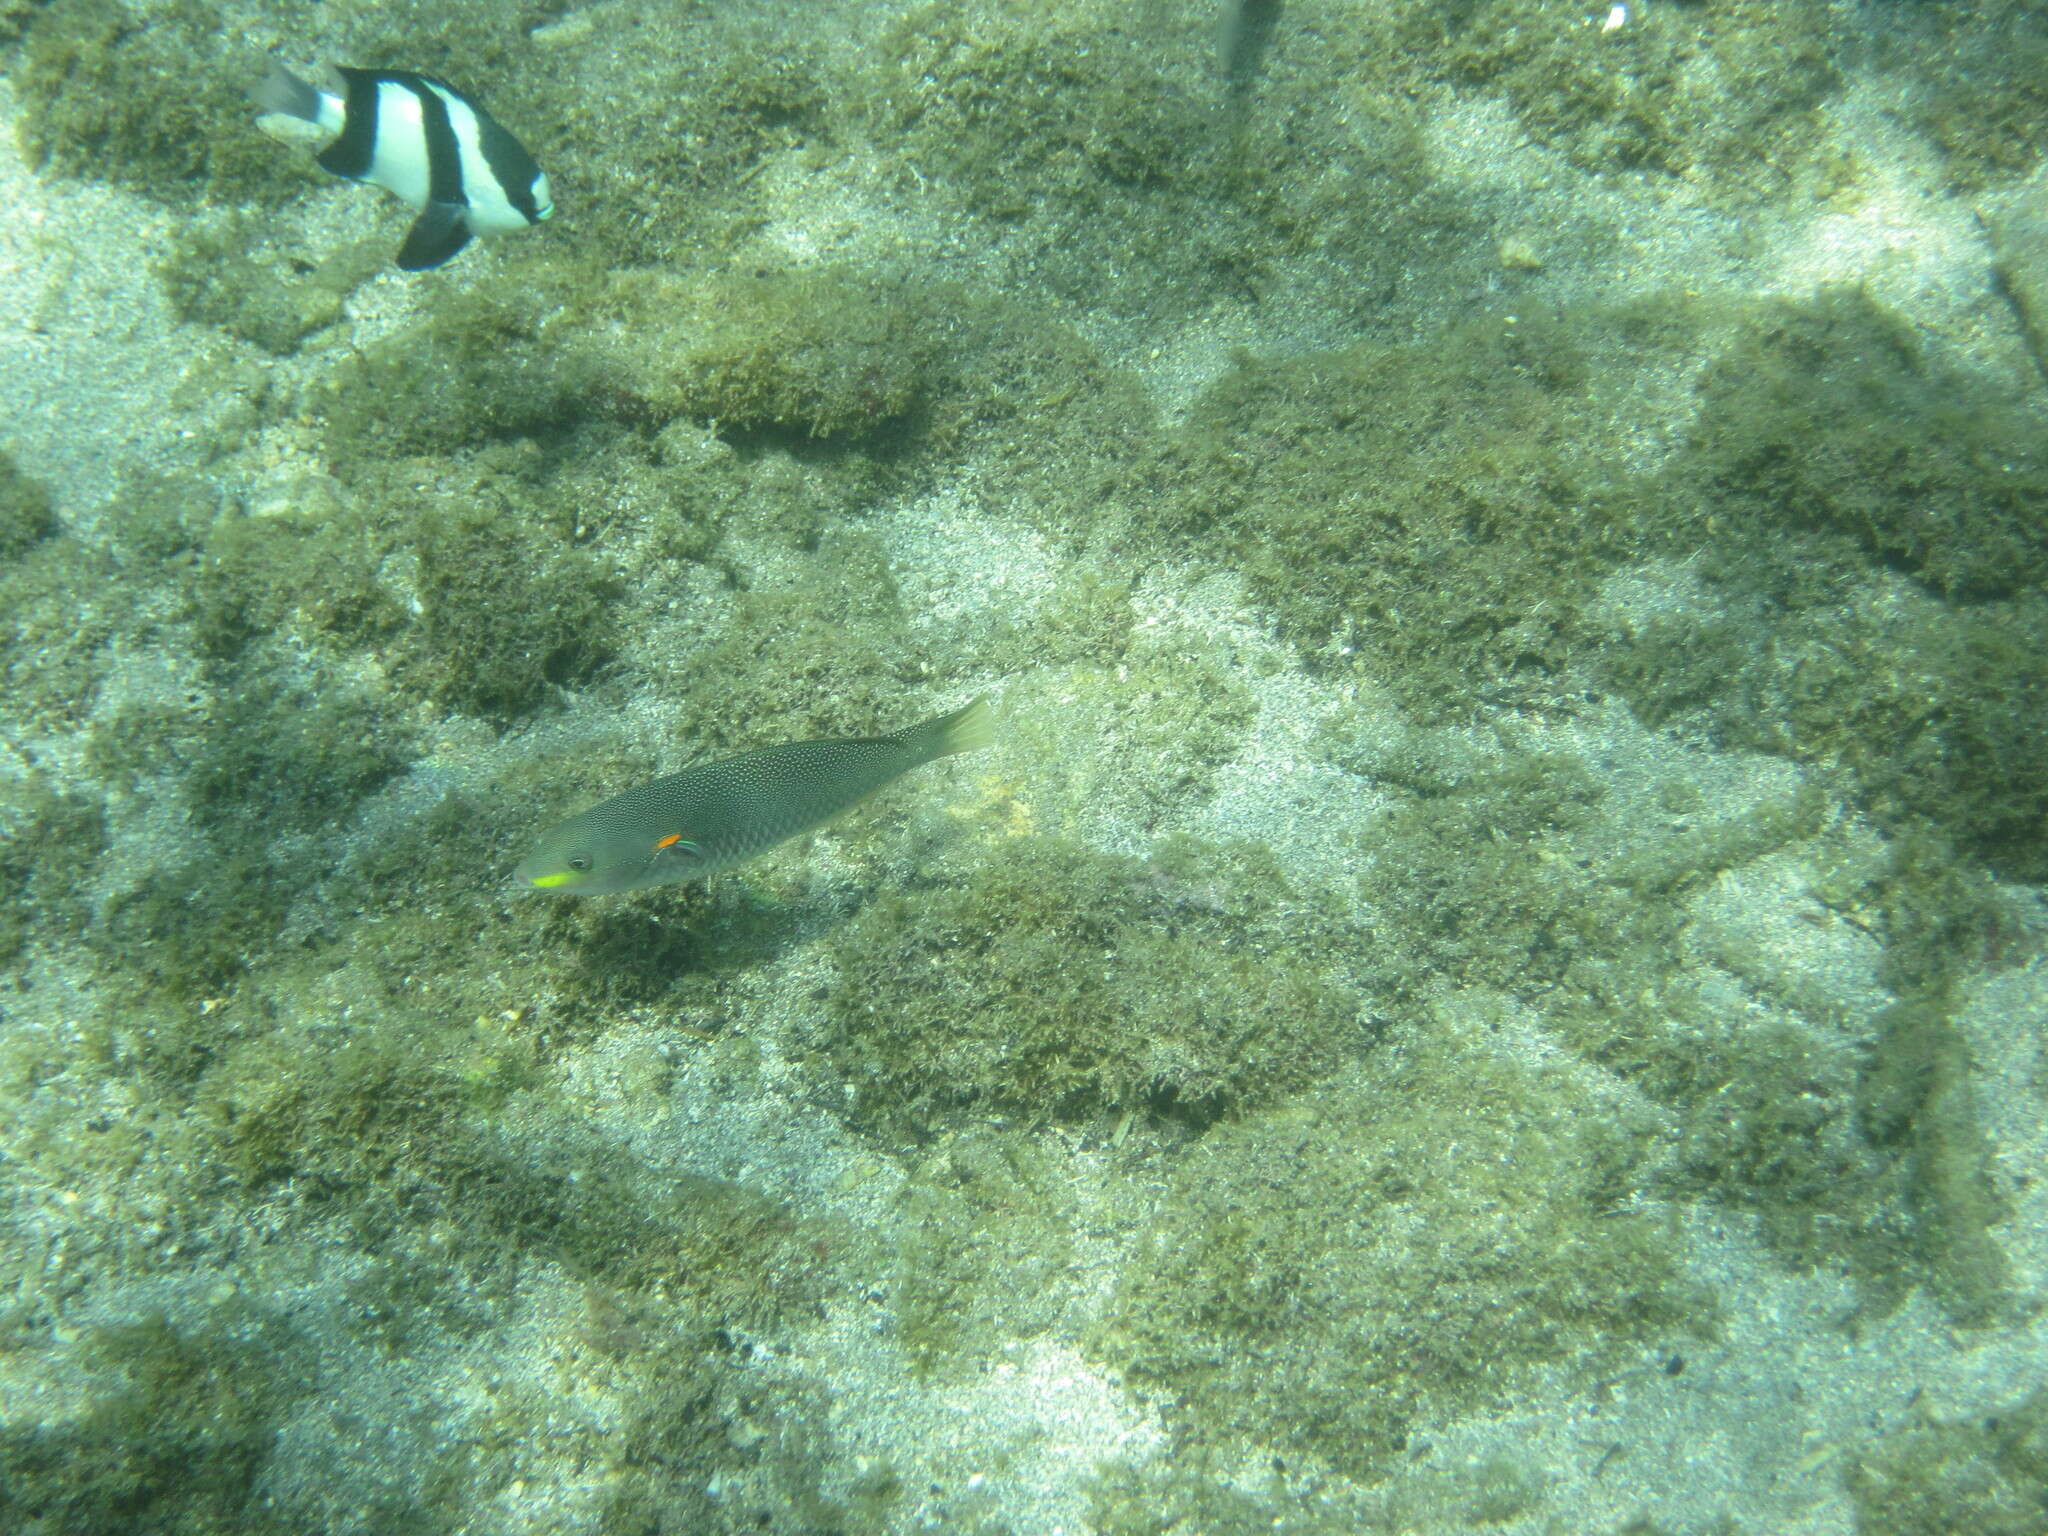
x: 580, y: 862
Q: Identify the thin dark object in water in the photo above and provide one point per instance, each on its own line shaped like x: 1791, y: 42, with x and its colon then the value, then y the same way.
x: 1247, y: 33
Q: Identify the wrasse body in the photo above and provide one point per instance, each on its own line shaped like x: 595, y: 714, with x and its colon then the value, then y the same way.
x: 715, y: 815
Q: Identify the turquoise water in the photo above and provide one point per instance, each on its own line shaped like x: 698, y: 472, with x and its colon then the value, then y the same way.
x: 1491, y: 980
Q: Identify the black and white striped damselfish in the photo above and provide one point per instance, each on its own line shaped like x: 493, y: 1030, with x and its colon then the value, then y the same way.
x: 423, y: 141
x: 716, y: 815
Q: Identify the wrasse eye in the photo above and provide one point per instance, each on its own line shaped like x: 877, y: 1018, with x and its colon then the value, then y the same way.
x: 580, y: 862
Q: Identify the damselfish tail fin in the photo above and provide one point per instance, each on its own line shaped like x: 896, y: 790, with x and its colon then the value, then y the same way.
x: 965, y: 730
x: 283, y: 92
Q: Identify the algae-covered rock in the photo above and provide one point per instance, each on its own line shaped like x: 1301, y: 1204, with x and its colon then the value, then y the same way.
x: 1050, y: 981
x: 1831, y: 412
x: 60, y: 602
x: 1987, y: 1476
x: 1937, y: 713
x: 827, y: 652
x: 1469, y: 880
x: 212, y: 275
x: 310, y: 574
x: 665, y: 143
x: 1725, y: 94
x: 1099, y: 152
x: 476, y: 371
x: 25, y: 514
x: 1036, y: 103
x: 507, y: 612
x: 1436, y: 510
x: 157, y: 102
x: 171, y: 1430
x: 282, y: 757
x: 1942, y: 715
x: 49, y: 842
x: 817, y: 353
x: 1338, y: 1273
x: 1984, y: 93
x: 2018, y: 228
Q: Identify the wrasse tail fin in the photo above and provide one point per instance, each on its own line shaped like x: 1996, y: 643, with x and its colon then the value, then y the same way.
x: 965, y: 730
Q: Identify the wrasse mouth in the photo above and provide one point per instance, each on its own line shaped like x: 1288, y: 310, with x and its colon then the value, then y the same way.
x: 530, y: 877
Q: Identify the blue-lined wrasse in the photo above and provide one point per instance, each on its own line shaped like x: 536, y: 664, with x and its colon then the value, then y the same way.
x: 715, y: 815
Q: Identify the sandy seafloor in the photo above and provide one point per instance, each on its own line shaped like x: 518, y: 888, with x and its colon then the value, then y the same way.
x: 1804, y: 1397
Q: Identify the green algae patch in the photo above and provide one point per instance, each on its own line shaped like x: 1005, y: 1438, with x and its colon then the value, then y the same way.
x: 709, y: 1441
x: 1850, y: 1137
x: 61, y: 602
x: 1985, y: 1475
x: 160, y: 104
x: 395, y: 1127
x: 1172, y: 716
x: 709, y: 1434
x: 508, y: 612
x: 1941, y: 716
x: 827, y: 652
x: 25, y: 514
x: 984, y: 1230
x: 1834, y: 447
x: 1918, y: 1105
x: 1046, y: 981
x: 1726, y: 94
x: 1173, y: 1494
x: 1051, y: 425
x: 1104, y: 156
x: 285, y: 758
x: 1945, y: 923
x: 173, y: 1430
x: 1028, y: 103
x: 190, y: 928
x: 806, y: 352
x: 50, y: 841
x: 213, y: 275
x: 1419, y: 506
x: 157, y: 520
x: 477, y: 370
x: 1152, y: 1499
x: 1478, y: 874
x: 1934, y: 715
x: 1985, y: 94
x: 272, y: 761
x: 1339, y: 1273
x: 1473, y: 881
x: 312, y: 575
x: 665, y: 143
x: 474, y: 582
x: 1831, y: 412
